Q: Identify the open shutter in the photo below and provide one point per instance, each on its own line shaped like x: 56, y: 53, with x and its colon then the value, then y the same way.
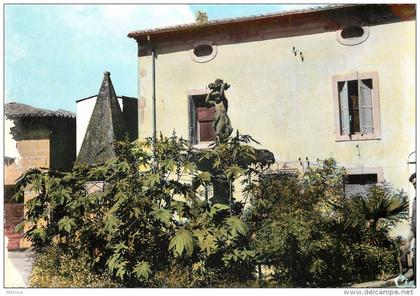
x: 365, y: 107
x: 344, y: 108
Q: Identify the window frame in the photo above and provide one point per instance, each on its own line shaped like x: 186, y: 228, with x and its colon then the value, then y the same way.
x: 353, y: 40
x: 205, y: 58
x: 376, y: 120
x: 366, y: 171
x: 194, y: 139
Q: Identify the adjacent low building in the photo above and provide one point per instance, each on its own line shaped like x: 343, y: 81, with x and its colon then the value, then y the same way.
x: 34, y: 138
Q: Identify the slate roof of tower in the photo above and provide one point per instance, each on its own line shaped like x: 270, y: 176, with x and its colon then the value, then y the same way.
x: 105, y: 126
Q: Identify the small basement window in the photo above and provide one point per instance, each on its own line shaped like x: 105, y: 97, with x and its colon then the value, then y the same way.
x: 203, y: 51
x: 352, y: 35
x: 359, y: 183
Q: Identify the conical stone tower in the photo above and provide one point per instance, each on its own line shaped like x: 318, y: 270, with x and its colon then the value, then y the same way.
x: 105, y: 126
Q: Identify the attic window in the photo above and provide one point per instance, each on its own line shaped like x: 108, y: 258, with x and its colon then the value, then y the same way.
x: 352, y: 35
x: 203, y: 51
x: 352, y: 32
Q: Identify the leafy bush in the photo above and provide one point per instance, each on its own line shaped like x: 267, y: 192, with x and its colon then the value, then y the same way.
x: 146, y: 216
x: 55, y: 268
x: 314, y: 237
x: 145, y: 219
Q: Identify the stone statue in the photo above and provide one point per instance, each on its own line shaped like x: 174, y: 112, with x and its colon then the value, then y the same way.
x: 221, y: 121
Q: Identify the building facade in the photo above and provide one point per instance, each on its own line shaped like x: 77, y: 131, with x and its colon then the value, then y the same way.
x: 337, y: 81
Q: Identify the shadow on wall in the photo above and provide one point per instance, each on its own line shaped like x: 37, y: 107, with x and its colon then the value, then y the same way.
x: 130, y: 113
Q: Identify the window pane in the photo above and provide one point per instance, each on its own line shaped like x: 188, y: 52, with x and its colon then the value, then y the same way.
x: 353, y: 94
x: 359, y: 183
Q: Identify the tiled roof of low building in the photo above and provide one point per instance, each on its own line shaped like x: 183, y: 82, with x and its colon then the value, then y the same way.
x: 19, y: 110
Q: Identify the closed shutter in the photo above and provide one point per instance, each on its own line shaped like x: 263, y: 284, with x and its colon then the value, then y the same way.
x: 344, y: 108
x: 365, y: 107
x: 205, y: 123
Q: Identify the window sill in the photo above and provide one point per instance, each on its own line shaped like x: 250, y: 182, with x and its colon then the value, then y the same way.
x: 204, y: 145
x: 357, y: 137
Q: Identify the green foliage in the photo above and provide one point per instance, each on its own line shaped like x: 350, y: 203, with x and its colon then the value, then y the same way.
x: 142, y: 270
x: 236, y: 226
x: 374, y: 214
x: 58, y: 268
x: 137, y: 215
x: 182, y: 240
x: 314, y: 237
x: 142, y: 221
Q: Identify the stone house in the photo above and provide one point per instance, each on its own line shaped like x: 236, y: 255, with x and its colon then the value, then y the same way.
x: 335, y: 81
x: 34, y: 138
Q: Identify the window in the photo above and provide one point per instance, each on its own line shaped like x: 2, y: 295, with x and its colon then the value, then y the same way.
x: 352, y: 35
x: 359, y: 180
x: 200, y: 120
x: 357, y: 107
x: 203, y: 51
x: 359, y: 183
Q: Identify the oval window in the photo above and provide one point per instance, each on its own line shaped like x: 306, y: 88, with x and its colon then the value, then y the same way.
x: 352, y: 32
x: 352, y: 35
x: 203, y: 51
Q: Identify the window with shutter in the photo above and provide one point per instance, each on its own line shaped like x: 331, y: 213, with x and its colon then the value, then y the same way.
x: 357, y: 106
x: 200, y: 120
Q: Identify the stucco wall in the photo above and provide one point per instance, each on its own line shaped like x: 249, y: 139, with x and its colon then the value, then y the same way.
x: 288, y: 105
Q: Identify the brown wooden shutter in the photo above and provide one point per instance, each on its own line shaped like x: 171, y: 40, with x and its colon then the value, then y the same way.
x: 205, y: 124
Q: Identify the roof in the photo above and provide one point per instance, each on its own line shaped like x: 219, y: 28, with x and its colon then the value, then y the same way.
x: 106, y: 125
x: 293, y: 23
x: 189, y: 26
x: 18, y: 110
x: 119, y: 97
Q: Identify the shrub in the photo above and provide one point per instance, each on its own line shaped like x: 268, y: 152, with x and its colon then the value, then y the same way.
x: 314, y: 237
x: 55, y: 268
x: 147, y: 216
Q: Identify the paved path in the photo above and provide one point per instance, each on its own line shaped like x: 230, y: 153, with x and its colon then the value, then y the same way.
x: 17, y: 267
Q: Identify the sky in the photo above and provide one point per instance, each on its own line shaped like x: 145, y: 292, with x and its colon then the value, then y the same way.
x: 56, y: 54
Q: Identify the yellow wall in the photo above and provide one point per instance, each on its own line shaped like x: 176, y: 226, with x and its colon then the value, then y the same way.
x: 288, y: 105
